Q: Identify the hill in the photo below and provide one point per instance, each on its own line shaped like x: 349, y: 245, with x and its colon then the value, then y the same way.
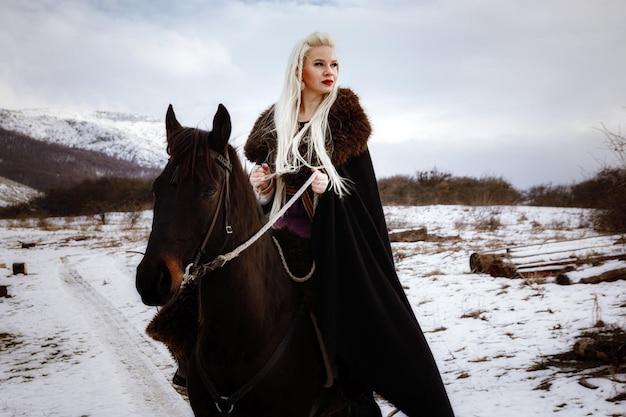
x: 53, y: 148
x: 12, y: 192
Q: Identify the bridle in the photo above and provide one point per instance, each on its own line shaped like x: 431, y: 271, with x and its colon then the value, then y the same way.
x: 196, y: 269
x: 225, y: 404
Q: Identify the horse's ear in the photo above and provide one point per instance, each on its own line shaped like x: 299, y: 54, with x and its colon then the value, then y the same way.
x: 221, y: 127
x: 171, y: 124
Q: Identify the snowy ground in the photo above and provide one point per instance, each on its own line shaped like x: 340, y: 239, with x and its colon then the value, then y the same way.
x: 72, y: 336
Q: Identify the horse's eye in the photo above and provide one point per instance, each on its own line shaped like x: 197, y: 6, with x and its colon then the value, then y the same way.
x: 208, y: 192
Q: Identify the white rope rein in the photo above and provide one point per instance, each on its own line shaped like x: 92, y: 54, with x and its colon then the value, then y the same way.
x: 286, y: 266
x: 221, y: 260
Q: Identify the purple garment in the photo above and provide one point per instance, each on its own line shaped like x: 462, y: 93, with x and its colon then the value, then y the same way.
x: 295, y: 220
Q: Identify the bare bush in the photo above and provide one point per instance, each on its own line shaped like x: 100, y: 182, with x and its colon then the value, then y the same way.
x: 548, y: 195
x: 133, y: 217
x: 612, y: 204
x: 612, y: 185
x: 90, y: 197
x: 436, y: 187
x: 616, y: 142
x: 487, y: 219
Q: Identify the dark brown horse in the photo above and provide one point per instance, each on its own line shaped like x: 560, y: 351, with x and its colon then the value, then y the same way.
x: 256, y: 353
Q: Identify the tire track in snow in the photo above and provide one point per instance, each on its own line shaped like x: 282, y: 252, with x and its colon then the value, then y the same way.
x: 132, y: 348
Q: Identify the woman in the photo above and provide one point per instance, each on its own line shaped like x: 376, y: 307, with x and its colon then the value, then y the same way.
x: 362, y: 311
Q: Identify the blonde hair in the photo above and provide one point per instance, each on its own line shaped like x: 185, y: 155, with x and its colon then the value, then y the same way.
x: 315, y: 134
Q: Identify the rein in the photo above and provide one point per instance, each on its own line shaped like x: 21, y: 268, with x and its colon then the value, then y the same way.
x: 195, y: 270
x: 225, y: 404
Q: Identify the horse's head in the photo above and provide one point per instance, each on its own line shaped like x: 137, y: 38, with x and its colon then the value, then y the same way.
x: 190, y: 203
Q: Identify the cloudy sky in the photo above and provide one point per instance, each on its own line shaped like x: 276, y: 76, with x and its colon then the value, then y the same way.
x: 514, y: 89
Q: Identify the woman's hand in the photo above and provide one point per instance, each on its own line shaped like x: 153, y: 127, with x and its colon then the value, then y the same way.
x: 320, y: 183
x: 258, y: 178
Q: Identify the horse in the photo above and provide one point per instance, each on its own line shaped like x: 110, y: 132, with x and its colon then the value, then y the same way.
x: 256, y: 350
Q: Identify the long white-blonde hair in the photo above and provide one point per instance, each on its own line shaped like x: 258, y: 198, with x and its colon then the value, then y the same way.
x: 316, y: 135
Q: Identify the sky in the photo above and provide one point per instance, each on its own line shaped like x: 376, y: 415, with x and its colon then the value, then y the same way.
x: 518, y: 89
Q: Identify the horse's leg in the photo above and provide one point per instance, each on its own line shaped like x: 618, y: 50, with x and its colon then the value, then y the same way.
x: 365, y: 406
x: 361, y: 400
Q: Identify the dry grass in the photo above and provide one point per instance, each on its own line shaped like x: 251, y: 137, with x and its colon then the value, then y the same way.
x: 475, y: 314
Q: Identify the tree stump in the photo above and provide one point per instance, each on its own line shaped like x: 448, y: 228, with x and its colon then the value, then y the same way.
x: 607, y: 346
x: 19, y: 268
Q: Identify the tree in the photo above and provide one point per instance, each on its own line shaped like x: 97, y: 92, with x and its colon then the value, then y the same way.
x: 616, y: 143
x: 612, y: 216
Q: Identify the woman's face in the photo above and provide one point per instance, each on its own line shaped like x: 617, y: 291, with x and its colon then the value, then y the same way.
x: 320, y: 70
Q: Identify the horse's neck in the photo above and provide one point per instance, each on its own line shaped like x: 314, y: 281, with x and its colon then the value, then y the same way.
x: 254, y: 293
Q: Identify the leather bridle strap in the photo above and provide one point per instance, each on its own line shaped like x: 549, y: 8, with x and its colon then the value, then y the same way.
x: 194, y: 270
x: 225, y: 404
x: 224, y: 163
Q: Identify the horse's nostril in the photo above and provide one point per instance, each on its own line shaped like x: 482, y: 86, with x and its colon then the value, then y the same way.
x: 164, y: 281
x: 153, y: 283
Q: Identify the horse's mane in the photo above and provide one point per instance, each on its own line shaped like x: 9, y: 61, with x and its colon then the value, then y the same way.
x: 184, y: 146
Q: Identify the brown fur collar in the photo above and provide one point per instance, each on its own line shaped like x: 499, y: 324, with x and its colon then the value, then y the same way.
x: 176, y: 324
x: 348, y: 122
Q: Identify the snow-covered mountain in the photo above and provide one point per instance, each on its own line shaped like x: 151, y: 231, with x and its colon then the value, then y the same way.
x: 12, y: 192
x: 133, y: 138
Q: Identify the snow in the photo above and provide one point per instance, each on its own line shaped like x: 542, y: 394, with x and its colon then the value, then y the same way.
x: 12, y: 192
x: 72, y: 331
x: 134, y: 138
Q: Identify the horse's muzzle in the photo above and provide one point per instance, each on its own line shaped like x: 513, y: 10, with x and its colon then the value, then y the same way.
x: 155, y: 283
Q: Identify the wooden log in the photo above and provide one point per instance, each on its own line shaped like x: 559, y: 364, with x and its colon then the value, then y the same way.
x: 548, y: 259
x: 480, y: 262
x: 608, y: 276
x: 19, y: 268
x: 547, y: 271
x: 409, y: 235
x: 502, y: 269
x: 610, y: 245
x: 28, y: 245
x: 613, y: 243
x: 492, y: 264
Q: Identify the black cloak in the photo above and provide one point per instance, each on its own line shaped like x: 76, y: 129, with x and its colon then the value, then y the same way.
x: 361, y: 307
